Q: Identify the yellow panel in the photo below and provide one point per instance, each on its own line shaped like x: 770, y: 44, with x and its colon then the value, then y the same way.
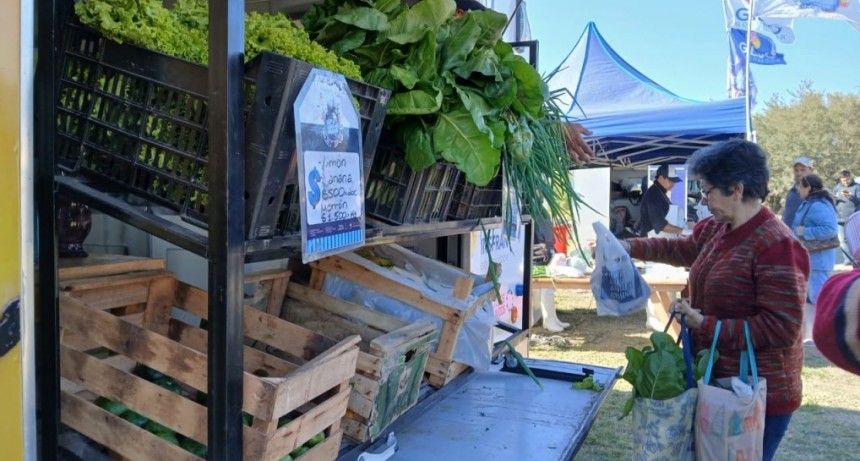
x: 11, y: 418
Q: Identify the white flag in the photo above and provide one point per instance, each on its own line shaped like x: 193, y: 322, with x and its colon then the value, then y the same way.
x: 737, y: 15
x: 843, y: 10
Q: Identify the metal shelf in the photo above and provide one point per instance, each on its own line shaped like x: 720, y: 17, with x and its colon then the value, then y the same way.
x: 255, y: 250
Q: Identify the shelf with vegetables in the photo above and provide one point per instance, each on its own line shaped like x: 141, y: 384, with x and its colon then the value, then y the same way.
x: 390, y: 233
x: 460, y: 95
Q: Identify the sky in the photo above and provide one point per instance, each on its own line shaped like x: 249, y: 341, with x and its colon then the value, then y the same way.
x: 682, y: 45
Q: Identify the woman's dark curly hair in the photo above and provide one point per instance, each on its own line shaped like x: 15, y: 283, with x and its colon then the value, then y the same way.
x: 816, y: 189
x: 732, y: 162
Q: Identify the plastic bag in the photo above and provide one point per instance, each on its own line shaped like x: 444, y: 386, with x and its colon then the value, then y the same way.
x: 617, y: 285
x: 474, y: 343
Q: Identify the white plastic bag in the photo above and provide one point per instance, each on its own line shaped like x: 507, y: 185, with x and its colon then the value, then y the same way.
x: 618, y: 287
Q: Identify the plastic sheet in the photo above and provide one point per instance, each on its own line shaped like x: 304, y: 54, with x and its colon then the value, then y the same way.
x: 436, y: 280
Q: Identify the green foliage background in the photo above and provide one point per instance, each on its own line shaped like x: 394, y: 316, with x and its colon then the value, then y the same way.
x: 822, y: 126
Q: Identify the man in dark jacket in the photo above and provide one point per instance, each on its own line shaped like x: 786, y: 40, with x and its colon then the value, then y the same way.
x: 656, y: 203
x: 847, y: 193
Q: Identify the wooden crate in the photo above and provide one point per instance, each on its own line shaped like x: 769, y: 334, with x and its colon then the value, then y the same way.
x: 289, y: 372
x: 390, y: 365
x: 453, y: 308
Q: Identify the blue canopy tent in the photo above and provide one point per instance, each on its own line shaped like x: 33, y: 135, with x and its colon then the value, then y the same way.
x: 634, y: 120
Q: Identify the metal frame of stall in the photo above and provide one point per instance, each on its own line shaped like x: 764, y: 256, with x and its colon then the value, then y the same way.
x: 226, y: 248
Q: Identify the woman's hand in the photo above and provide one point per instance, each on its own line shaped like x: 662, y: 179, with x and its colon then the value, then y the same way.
x: 799, y: 231
x: 625, y: 244
x: 694, y: 316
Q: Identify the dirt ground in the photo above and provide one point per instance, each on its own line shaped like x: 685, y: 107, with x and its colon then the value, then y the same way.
x: 825, y: 428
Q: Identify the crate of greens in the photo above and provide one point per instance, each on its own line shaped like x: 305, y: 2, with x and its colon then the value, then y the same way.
x: 138, y: 384
x: 132, y: 106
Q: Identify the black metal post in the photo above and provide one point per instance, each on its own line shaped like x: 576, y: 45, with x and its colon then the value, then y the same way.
x: 528, y: 239
x: 226, y: 227
x: 47, y: 344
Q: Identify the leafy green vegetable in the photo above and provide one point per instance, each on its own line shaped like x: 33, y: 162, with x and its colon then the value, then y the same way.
x: 317, y: 439
x: 587, y: 383
x: 154, y: 427
x: 459, y: 94
x: 168, y: 436
x: 183, y: 31
x: 134, y: 418
x: 446, y: 78
x: 169, y: 384
x: 111, y: 406
x: 196, y: 448
x: 147, y: 373
x: 299, y: 451
x: 658, y: 371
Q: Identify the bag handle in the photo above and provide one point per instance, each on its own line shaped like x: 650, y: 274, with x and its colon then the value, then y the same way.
x: 750, y: 356
x: 686, y: 342
x: 747, y: 356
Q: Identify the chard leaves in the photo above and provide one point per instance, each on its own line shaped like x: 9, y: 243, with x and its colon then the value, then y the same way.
x: 458, y: 140
x: 415, y: 102
x: 424, y: 16
x: 458, y: 45
x: 419, y: 146
x: 363, y: 18
x: 450, y: 76
x: 659, y: 372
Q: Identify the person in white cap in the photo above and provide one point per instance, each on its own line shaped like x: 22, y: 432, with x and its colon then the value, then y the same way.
x: 802, y: 167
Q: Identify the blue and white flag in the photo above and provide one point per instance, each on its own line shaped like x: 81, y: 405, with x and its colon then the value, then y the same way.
x: 736, y: 77
x: 843, y: 10
x: 737, y: 15
x: 762, y: 48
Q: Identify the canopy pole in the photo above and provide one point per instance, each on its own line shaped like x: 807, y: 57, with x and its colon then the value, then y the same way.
x: 747, y: 96
x: 511, y: 18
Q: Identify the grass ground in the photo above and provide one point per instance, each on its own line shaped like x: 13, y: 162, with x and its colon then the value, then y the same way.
x: 825, y: 428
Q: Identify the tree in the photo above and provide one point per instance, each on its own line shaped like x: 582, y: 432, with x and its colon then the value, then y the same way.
x: 822, y: 126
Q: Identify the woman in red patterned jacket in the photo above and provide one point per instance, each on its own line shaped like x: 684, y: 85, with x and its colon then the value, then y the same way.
x: 744, y: 264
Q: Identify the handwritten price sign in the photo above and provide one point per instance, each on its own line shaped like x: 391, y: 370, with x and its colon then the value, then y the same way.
x: 328, y: 139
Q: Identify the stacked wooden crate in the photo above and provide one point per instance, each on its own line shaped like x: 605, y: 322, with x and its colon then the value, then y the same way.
x: 453, y: 308
x: 390, y: 365
x: 296, y: 383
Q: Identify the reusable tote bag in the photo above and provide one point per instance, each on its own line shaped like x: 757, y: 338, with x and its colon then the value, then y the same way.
x: 663, y: 429
x: 730, y: 413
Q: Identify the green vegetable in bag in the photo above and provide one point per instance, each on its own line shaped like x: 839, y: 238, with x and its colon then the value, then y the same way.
x: 658, y: 371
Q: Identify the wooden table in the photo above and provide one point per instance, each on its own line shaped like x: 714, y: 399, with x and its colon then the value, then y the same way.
x: 663, y: 291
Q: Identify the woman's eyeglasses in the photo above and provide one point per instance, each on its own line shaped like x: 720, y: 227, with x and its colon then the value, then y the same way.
x: 706, y: 193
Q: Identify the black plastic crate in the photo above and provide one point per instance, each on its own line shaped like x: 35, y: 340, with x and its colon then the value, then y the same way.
x: 271, y: 144
x: 476, y: 202
x: 135, y: 121
x: 397, y: 195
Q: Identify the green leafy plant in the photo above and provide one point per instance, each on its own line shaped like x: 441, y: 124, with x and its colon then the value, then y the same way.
x: 658, y: 371
x: 459, y: 94
x: 183, y: 31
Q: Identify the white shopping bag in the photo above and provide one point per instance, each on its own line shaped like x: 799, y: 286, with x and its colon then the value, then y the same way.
x: 618, y: 287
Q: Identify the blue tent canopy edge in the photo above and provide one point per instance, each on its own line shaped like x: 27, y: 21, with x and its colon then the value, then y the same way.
x: 635, y: 120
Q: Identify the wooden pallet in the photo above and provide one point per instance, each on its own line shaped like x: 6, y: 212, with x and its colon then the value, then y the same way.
x: 289, y: 371
x: 453, y: 308
x: 390, y: 365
